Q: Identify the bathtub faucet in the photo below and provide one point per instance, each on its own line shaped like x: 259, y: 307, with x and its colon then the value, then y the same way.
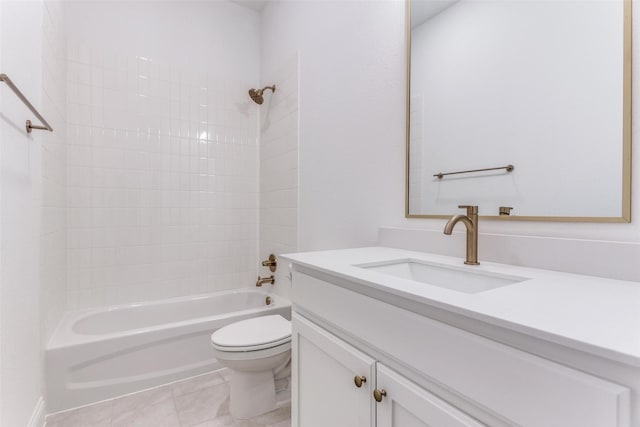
x: 262, y: 280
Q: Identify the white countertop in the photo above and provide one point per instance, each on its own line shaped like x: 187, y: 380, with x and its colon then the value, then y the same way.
x: 596, y: 315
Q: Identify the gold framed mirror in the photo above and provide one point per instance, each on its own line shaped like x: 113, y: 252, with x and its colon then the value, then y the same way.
x: 522, y: 108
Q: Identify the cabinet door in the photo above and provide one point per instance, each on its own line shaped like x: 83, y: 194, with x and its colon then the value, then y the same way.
x: 328, y: 395
x: 408, y: 405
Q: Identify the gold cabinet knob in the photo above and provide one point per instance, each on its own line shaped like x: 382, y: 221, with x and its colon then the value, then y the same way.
x: 379, y: 394
x: 359, y: 380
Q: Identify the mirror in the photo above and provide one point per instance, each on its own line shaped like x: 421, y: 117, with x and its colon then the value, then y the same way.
x: 537, y: 91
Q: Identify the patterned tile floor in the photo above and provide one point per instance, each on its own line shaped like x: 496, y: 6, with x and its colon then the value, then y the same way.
x: 201, y: 401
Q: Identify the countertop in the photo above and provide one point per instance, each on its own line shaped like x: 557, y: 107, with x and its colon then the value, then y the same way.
x: 592, y: 314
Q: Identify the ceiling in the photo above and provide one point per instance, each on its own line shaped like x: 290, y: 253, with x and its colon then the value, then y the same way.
x: 425, y: 9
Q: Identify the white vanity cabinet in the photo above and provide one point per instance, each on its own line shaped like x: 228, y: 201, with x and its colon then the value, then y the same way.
x: 339, y: 388
x: 329, y: 394
x: 434, y: 374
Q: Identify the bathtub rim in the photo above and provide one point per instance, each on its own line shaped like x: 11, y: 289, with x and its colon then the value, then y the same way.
x: 64, y: 336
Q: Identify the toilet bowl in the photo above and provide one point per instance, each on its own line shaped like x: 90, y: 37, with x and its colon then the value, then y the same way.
x: 258, y: 353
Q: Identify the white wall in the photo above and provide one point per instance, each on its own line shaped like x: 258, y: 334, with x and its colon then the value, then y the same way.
x: 163, y: 188
x: 416, y: 164
x: 215, y: 36
x: 352, y: 130
x: 20, y: 187
x: 352, y: 96
x: 279, y: 169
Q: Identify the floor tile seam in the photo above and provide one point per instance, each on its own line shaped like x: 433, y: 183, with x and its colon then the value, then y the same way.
x: 111, y: 413
x: 175, y: 408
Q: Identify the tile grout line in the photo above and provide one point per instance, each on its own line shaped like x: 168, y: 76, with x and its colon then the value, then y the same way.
x: 175, y: 407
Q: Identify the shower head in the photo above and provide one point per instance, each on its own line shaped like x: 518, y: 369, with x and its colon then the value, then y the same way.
x: 256, y: 94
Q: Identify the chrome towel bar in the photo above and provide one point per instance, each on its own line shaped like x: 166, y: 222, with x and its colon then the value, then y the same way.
x: 508, y: 168
x: 29, y: 125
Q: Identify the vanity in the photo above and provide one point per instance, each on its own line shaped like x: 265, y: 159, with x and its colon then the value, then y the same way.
x: 388, y: 337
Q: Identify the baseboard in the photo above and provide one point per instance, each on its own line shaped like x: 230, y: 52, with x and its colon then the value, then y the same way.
x: 37, y: 417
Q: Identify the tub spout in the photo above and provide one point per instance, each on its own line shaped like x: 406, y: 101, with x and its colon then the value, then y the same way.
x: 262, y: 280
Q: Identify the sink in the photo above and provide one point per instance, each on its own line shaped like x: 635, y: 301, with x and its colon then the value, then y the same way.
x: 460, y: 279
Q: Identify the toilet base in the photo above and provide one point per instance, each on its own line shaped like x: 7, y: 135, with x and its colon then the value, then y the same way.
x: 252, y: 394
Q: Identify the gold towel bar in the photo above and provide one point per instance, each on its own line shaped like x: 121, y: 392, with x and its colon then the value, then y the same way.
x: 508, y: 168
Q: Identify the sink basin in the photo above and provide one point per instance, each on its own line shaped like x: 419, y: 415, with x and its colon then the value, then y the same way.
x: 462, y: 279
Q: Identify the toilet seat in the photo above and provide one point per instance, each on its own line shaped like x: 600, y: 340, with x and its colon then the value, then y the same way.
x: 258, y: 333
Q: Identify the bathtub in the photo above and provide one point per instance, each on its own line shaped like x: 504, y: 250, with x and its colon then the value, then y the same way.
x: 102, y: 353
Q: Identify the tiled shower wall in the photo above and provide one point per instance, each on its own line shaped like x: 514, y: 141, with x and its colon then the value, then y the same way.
x: 162, y: 179
x: 53, y: 215
x: 279, y: 170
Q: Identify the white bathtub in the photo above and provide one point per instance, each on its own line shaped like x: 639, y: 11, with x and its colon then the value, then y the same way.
x: 102, y: 353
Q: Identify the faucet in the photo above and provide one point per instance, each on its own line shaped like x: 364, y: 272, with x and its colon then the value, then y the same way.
x: 470, y: 220
x: 262, y: 280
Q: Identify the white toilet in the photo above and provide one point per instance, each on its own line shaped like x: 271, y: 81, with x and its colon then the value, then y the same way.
x: 258, y: 352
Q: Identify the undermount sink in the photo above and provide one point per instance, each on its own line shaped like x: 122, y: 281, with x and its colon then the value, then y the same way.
x: 461, y: 279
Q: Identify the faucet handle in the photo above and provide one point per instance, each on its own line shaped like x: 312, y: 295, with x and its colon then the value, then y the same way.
x: 471, y: 209
x: 271, y: 262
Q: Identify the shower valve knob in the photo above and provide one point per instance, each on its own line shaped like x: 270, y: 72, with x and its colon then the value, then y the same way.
x: 272, y: 263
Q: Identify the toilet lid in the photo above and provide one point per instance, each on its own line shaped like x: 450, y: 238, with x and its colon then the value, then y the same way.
x: 258, y: 332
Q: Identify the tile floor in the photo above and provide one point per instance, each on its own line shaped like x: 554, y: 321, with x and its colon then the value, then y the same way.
x: 201, y: 401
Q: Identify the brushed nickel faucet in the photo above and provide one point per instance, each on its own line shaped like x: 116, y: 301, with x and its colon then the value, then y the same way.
x: 470, y: 220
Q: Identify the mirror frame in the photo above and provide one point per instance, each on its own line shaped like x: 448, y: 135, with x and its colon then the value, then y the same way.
x: 626, y: 137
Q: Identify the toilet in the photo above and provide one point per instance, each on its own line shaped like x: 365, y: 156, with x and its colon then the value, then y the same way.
x: 258, y: 353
